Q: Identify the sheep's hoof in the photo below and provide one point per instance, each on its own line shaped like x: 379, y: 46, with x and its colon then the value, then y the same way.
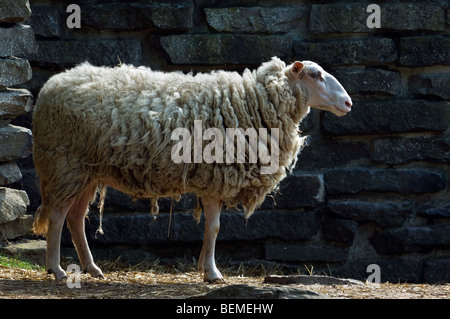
x: 94, y: 271
x: 99, y: 276
x: 60, y: 275
x: 214, y: 280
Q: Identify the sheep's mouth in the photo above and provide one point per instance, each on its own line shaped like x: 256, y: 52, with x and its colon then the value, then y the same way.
x: 341, y: 111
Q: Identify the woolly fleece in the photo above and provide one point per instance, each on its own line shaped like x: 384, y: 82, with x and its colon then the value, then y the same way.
x: 96, y: 126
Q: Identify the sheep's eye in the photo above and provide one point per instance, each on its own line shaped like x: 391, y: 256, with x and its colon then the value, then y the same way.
x: 315, y: 74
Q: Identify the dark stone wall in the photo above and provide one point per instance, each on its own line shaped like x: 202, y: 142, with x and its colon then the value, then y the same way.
x: 371, y: 187
x: 16, y: 41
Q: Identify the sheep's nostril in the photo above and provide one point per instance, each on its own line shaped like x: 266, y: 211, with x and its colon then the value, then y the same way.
x: 349, y: 104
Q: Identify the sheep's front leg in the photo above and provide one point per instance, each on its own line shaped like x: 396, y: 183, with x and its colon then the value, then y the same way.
x: 55, y: 225
x: 206, y: 261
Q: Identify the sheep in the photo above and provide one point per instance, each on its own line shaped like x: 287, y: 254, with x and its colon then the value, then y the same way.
x: 96, y: 127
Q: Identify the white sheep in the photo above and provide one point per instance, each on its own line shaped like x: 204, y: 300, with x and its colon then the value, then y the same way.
x: 98, y: 126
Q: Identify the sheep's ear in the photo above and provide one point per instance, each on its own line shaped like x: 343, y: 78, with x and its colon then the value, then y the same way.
x: 297, y: 67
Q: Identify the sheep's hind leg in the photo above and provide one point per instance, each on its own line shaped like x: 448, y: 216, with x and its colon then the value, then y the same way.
x: 206, y: 261
x: 75, y: 221
x: 55, y: 225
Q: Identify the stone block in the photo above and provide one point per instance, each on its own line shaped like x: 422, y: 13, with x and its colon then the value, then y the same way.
x: 339, y: 230
x: 32, y: 251
x: 64, y: 54
x: 13, y: 204
x: 435, y: 84
x: 323, y: 152
x: 305, y: 253
x: 14, y: 11
x: 19, y: 227
x: 46, y: 20
x: 385, y: 213
x: 352, y: 17
x: 143, y: 229
x: 392, y: 270
x: 162, y: 15
x: 111, y: 16
x: 398, y: 269
x: 309, y: 280
x: 14, y: 71
x: 394, y: 150
x: 413, y: 16
x: 448, y: 15
x: 9, y: 173
x: 17, y: 40
x: 128, y: 254
x: 256, y: 19
x: 419, y: 51
x: 307, y: 124
x: 435, y: 209
x: 30, y: 184
x: 14, y: 102
x: 280, y: 224
x: 369, y: 81
x: 436, y: 271
x: 242, y: 292
x: 412, y: 239
x: 15, y: 142
x: 354, y: 51
x: 405, y: 181
x: 298, y: 190
x: 389, y: 116
x: 171, y: 16
x: 4, y: 122
x: 338, y: 18
x: 213, y: 49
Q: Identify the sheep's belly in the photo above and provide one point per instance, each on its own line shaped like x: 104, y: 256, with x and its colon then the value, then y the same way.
x: 141, y: 191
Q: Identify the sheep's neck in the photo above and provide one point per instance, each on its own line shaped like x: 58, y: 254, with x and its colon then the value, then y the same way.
x: 301, y: 108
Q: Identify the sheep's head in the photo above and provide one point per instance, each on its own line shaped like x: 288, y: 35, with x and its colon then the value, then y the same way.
x: 323, y: 90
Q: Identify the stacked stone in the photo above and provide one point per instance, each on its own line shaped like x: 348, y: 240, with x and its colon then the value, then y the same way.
x: 16, y: 41
x: 394, y: 199
x: 371, y: 188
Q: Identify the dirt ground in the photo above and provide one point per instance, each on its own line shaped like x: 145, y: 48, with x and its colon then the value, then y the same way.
x: 134, y: 284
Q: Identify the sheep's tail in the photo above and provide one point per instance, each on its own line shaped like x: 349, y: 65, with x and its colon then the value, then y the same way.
x: 100, y: 206
x: 40, y: 223
x: 41, y: 218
